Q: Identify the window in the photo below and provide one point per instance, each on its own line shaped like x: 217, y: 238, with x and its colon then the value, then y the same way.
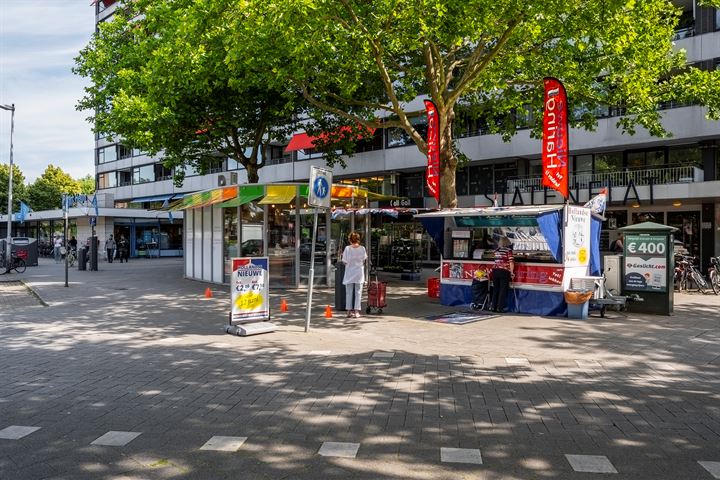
x: 107, y: 180
x: 647, y: 158
x: 162, y: 172
x: 462, y: 179
x: 583, y: 163
x: 685, y: 156
x: 124, y: 152
x: 411, y: 185
x: 107, y: 154
x: 397, y: 137
x: 481, y: 180
x: 608, y: 162
x: 276, y: 155
x: 124, y: 177
x: 143, y: 174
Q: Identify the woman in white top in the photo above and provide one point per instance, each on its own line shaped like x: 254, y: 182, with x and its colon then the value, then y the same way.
x: 354, y: 257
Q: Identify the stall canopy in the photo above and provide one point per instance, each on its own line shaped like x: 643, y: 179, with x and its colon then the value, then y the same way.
x: 279, y: 194
x: 303, y: 141
x: 546, y: 218
x: 208, y: 197
x: 246, y: 194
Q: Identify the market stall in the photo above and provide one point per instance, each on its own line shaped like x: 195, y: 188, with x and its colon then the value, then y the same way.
x: 551, y: 245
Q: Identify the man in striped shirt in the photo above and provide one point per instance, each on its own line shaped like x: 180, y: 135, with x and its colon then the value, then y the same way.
x: 503, y: 271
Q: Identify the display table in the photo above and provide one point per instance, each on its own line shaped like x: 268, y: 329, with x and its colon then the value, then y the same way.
x: 537, y: 287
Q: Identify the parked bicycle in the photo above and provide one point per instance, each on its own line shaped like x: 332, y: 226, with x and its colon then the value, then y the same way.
x: 714, y: 273
x: 16, y: 263
x: 71, y: 257
x: 687, y: 271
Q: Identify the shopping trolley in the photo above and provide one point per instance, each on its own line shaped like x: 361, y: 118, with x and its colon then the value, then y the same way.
x: 376, y: 296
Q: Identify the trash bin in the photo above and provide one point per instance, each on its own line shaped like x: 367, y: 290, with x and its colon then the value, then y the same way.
x: 82, y: 259
x: 578, y: 302
x: 339, y: 286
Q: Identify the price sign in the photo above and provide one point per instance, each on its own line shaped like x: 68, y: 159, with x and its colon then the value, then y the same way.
x: 646, y: 262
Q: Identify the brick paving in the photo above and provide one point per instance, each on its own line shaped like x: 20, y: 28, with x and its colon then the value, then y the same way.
x: 136, y: 348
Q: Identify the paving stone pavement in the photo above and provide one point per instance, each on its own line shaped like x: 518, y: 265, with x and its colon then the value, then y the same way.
x: 137, y: 350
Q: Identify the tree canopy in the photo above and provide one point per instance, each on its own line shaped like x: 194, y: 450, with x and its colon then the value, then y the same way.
x: 159, y: 81
x: 364, y: 61
x: 19, y: 188
x: 46, y: 192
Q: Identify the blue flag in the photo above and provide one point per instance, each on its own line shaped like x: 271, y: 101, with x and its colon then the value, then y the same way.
x: 166, y: 203
x: 24, y: 210
x: 94, y: 204
x: 170, y: 217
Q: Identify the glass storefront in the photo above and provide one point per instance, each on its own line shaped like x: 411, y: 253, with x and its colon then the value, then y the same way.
x: 282, y: 245
x: 230, y: 240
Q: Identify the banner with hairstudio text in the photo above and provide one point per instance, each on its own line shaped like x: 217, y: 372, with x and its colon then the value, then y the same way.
x: 555, y: 143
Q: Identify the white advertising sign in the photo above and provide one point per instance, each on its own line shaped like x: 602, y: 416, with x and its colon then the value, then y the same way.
x: 577, y: 237
x: 320, y: 187
x: 250, y: 290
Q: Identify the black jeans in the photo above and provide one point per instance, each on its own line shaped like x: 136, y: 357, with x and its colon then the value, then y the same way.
x: 501, y: 284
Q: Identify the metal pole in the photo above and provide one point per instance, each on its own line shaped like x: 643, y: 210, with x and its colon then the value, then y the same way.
x: 308, y: 308
x: 65, y: 235
x: 11, y: 108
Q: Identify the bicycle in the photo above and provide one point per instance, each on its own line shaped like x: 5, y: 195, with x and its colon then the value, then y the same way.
x: 714, y: 273
x: 690, y: 271
x: 16, y: 263
x: 71, y: 257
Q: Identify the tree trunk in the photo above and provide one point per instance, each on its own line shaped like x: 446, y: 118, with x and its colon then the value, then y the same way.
x: 448, y: 166
x: 252, y: 172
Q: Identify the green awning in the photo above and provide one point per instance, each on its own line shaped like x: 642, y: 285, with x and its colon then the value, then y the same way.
x: 247, y: 194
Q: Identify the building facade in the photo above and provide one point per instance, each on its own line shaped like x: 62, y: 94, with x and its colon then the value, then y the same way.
x: 674, y: 181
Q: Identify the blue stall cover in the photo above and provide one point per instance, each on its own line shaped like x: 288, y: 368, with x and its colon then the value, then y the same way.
x: 435, y: 227
x: 595, y: 227
x: 550, y: 225
x: 534, y: 302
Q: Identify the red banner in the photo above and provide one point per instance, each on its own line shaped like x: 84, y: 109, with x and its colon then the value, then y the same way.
x: 545, y: 276
x: 555, y: 145
x: 432, y: 177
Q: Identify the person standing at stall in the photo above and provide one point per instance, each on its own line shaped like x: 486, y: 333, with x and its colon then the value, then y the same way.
x: 354, y: 257
x: 502, y: 273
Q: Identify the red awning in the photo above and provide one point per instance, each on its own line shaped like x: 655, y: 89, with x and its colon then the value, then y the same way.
x: 303, y: 141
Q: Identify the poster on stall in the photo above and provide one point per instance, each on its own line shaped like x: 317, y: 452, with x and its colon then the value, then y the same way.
x: 577, y: 237
x: 250, y: 290
x: 645, y: 262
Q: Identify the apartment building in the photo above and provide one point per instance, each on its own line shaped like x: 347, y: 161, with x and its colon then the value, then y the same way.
x: 674, y: 181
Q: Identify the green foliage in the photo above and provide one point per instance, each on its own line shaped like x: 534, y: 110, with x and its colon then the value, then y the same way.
x: 46, y: 192
x: 86, y: 185
x: 19, y: 189
x: 361, y: 60
x: 160, y: 81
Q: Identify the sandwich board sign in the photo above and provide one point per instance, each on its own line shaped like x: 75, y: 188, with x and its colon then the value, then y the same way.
x: 320, y: 187
x: 250, y: 296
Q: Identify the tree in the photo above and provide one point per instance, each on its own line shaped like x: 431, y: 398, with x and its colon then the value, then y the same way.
x: 159, y: 81
x: 19, y: 189
x: 364, y: 61
x: 86, y: 185
x: 46, y: 192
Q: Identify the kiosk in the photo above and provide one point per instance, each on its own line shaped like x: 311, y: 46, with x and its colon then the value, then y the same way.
x: 648, y: 265
x: 551, y: 246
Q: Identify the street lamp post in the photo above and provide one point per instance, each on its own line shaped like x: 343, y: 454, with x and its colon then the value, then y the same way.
x: 8, y: 251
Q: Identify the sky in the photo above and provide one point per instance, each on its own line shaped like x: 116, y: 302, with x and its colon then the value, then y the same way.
x: 39, y: 40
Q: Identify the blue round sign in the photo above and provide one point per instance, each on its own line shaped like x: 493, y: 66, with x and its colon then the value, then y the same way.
x: 321, y: 188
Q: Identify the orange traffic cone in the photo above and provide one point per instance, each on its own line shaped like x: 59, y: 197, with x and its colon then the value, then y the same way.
x: 328, y: 312
x: 283, y: 305
x: 208, y: 293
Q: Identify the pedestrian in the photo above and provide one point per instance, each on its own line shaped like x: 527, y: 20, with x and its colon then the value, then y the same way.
x: 57, y: 247
x: 354, y: 257
x: 73, y: 243
x: 502, y: 273
x: 110, y: 247
x: 618, y: 244
x: 123, y: 248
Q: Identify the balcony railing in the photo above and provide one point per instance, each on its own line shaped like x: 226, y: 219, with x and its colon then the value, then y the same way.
x: 658, y: 176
